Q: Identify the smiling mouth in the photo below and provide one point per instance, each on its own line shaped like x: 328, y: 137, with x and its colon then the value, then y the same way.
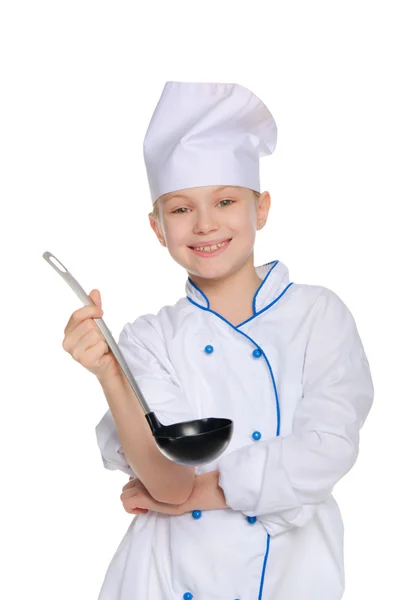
x: 209, y: 249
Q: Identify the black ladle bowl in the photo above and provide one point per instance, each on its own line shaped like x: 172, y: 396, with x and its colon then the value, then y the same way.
x: 188, y: 443
x: 192, y: 442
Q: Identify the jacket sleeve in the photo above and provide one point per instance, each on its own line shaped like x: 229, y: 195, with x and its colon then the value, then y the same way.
x: 282, y: 480
x: 145, y: 353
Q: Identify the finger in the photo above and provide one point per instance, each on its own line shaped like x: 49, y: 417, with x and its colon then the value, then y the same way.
x: 127, y: 486
x: 95, y: 356
x: 131, y: 504
x: 129, y: 481
x: 88, y: 326
x: 134, y: 483
x: 91, y: 345
x: 130, y: 492
x: 78, y: 316
x: 95, y: 296
x: 74, y: 336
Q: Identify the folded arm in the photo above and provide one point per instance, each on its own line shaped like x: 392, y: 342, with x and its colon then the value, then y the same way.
x: 123, y: 434
x: 282, y: 480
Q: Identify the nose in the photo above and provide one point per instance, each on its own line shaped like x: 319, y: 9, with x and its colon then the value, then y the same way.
x: 206, y: 221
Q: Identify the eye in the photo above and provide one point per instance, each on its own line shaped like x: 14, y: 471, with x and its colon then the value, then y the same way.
x: 178, y: 209
x: 183, y: 208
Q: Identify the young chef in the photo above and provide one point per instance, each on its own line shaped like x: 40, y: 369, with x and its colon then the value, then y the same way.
x: 283, y: 360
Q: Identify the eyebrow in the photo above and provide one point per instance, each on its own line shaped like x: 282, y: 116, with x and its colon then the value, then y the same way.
x: 224, y: 187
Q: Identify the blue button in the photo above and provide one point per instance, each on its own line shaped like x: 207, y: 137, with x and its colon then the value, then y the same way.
x: 257, y: 353
x: 256, y: 435
x: 209, y: 349
x: 187, y: 596
x: 251, y: 520
x: 196, y: 514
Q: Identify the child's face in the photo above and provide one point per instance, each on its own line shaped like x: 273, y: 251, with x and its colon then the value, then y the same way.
x: 202, y: 214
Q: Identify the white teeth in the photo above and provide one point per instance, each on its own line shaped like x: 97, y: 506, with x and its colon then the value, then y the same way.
x: 210, y: 248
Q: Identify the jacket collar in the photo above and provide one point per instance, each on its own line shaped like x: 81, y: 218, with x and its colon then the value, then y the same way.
x: 275, y: 280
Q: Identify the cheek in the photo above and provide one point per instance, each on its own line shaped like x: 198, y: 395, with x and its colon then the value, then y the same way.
x: 177, y: 235
x: 175, y: 240
x: 243, y: 224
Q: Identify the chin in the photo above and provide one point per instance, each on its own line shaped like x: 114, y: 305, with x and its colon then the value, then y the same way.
x: 211, y: 271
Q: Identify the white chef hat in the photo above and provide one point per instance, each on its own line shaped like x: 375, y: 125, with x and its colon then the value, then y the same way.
x: 207, y: 134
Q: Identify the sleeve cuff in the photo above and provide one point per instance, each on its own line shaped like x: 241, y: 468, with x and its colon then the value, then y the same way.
x: 254, y: 481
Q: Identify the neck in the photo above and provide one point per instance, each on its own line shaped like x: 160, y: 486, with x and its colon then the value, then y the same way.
x: 233, y: 290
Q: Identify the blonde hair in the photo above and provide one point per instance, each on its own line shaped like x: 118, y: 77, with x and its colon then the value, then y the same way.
x: 155, y: 210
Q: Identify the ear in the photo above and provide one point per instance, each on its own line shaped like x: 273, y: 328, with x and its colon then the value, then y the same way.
x: 157, y: 230
x: 263, y: 208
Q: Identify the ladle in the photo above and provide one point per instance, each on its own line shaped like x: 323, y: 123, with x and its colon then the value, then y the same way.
x: 189, y: 442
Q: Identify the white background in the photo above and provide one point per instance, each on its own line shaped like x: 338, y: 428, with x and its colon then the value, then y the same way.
x: 80, y: 81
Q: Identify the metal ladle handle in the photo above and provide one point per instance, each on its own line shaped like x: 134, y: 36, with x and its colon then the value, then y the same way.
x: 76, y: 287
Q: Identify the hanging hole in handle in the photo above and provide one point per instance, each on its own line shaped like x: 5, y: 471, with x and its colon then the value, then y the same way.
x: 53, y: 259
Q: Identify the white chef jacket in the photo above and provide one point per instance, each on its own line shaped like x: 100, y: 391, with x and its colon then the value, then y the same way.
x: 295, y: 380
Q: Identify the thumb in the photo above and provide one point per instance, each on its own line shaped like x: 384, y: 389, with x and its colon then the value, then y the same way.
x: 95, y: 296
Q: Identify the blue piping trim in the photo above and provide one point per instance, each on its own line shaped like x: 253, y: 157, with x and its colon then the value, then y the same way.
x: 202, y: 293
x: 262, y: 283
x: 255, y: 295
x: 255, y: 344
x: 268, y: 306
x: 271, y: 374
x: 246, y: 321
x: 264, y: 567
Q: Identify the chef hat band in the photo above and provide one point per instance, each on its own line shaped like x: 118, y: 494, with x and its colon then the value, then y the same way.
x: 207, y: 134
